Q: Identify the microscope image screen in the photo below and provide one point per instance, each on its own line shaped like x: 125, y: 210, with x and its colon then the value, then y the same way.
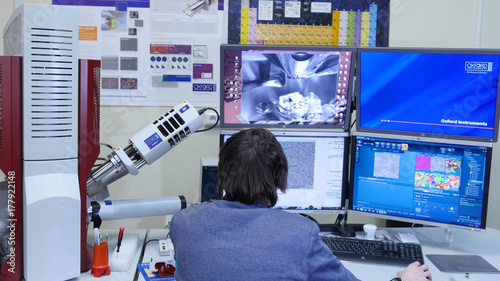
x: 436, y: 184
x: 285, y: 86
x: 317, y: 172
x: 438, y: 93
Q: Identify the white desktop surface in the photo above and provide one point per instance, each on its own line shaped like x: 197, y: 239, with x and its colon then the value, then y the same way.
x: 151, y: 249
x: 485, y: 244
x: 466, y: 242
x: 112, y: 240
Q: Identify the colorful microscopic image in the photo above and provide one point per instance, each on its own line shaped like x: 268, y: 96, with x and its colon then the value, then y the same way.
x: 452, y: 183
x: 421, y: 179
x: 453, y: 165
x: 170, y: 49
x: 436, y: 180
x: 128, y: 83
x: 423, y: 162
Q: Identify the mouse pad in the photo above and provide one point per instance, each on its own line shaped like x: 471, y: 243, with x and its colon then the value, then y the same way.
x: 462, y: 263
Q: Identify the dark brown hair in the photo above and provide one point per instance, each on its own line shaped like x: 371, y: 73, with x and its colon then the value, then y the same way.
x: 252, y: 167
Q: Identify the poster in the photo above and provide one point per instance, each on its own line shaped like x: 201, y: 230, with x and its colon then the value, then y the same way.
x: 153, y: 53
x: 309, y: 22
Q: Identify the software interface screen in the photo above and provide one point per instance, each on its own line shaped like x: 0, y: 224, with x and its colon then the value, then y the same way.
x: 432, y: 93
x: 285, y: 87
x: 316, y: 173
x: 435, y: 182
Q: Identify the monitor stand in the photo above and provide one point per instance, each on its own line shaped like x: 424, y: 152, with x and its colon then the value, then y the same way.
x: 340, y: 229
x: 346, y: 230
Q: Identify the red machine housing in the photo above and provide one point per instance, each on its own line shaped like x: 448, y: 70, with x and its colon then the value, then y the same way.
x: 11, y: 143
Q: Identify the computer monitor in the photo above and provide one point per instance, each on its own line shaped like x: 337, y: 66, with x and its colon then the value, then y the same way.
x: 420, y: 181
x: 317, y: 171
x: 439, y: 93
x: 286, y: 86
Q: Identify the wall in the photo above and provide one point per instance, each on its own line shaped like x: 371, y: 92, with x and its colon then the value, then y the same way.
x: 415, y: 23
x: 427, y: 23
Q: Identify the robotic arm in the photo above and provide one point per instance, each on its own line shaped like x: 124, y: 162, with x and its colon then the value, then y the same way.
x: 145, y: 147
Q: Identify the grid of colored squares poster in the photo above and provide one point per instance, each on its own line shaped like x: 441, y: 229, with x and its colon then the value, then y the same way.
x: 308, y: 22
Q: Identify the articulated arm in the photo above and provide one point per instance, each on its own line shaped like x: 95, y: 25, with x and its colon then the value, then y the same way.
x: 146, y: 146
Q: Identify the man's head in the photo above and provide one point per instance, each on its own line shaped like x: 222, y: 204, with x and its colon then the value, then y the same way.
x: 252, y: 167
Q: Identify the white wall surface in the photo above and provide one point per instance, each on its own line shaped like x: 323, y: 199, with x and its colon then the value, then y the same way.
x: 490, y: 35
x: 433, y: 23
x: 413, y: 23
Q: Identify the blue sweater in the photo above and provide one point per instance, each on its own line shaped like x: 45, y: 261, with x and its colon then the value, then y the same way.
x: 225, y: 240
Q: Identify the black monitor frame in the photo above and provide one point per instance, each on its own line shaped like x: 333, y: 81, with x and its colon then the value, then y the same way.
x: 227, y: 97
x: 415, y: 106
x: 224, y: 134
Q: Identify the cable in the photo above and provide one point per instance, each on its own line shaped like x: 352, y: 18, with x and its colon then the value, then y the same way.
x: 168, y: 232
x: 107, y: 145
x: 101, y: 159
x: 151, y: 240
x: 309, y: 217
x: 339, y: 218
x: 201, y: 111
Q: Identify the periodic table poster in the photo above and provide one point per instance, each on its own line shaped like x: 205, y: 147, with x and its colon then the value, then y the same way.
x: 357, y: 23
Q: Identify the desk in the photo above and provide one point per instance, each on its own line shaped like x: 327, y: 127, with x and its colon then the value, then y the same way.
x: 112, y: 241
x: 484, y: 244
x: 432, y: 240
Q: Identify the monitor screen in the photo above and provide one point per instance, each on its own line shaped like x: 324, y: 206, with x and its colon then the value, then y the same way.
x: 439, y: 93
x: 317, y: 171
x: 410, y: 180
x: 286, y: 86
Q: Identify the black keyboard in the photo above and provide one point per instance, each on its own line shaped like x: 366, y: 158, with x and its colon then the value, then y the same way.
x: 374, y: 251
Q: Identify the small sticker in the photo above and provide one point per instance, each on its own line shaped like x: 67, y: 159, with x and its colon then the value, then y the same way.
x: 176, y: 78
x: 204, y: 87
x: 184, y: 108
x: 153, y: 141
x: 292, y: 9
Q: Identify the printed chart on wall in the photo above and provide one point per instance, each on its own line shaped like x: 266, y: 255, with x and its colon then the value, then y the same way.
x: 360, y: 23
x: 153, y: 52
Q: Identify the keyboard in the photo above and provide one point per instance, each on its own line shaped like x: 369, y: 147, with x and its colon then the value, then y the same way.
x: 374, y: 251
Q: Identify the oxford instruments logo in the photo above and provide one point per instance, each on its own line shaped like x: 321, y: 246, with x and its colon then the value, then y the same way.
x: 478, y: 66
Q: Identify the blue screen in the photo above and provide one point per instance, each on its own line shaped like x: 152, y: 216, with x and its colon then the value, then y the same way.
x: 434, y: 182
x: 439, y: 94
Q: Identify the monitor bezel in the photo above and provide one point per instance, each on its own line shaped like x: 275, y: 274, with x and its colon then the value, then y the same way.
x: 345, y: 172
x: 303, y: 48
x: 357, y: 92
x: 487, y: 177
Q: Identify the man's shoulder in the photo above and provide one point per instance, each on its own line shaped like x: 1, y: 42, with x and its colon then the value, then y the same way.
x: 296, y: 219
x: 231, y: 209
x: 200, y: 207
